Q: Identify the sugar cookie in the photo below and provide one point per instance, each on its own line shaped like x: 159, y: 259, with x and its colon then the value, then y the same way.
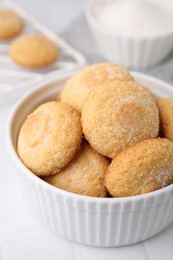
x: 49, y: 138
x: 84, y: 174
x: 118, y: 115
x: 34, y: 50
x: 165, y: 106
x: 80, y: 84
x: 10, y: 24
x: 147, y: 166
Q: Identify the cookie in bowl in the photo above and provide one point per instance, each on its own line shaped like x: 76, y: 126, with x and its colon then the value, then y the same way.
x: 49, y: 138
x: 84, y: 175
x: 165, y: 107
x: 117, y: 115
x: 81, y: 83
x: 145, y: 167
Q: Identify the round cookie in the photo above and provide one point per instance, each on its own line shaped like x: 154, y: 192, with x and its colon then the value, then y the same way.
x: 118, y: 115
x: 49, y: 138
x: 81, y: 83
x: 147, y: 166
x: 34, y: 50
x: 10, y: 24
x: 165, y: 106
x: 84, y: 174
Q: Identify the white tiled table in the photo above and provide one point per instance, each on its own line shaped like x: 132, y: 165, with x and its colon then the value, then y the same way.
x: 21, y: 237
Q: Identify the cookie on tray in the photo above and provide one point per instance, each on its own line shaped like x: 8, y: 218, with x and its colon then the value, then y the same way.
x: 80, y: 84
x: 118, y: 115
x: 147, y: 166
x: 49, y: 138
x: 84, y: 175
x: 10, y: 24
x: 34, y: 50
x: 165, y: 106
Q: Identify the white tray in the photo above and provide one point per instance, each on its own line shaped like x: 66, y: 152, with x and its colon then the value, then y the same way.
x: 13, y: 77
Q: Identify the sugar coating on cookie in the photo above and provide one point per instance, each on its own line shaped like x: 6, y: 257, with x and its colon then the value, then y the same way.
x: 84, y: 175
x: 165, y: 106
x: 49, y: 138
x: 10, y: 24
x: 150, y: 92
x: 80, y: 84
x: 118, y: 115
x: 147, y: 166
x: 34, y: 50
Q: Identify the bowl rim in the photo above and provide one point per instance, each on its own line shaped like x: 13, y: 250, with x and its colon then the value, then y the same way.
x: 94, y: 23
x: 113, y: 201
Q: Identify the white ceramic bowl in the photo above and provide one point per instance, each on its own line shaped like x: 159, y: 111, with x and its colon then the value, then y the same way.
x: 91, y: 221
x: 131, y: 52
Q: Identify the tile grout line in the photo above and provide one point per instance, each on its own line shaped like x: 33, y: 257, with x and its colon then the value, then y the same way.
x: 149, y: 253
x: 76, y: 254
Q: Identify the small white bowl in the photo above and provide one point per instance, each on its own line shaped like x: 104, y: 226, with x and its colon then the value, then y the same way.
x: 103, y: 222
x: 128, y: 51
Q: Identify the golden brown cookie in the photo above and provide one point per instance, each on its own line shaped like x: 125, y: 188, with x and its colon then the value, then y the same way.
x: 165, y: 106
x: 118, y: 115
x: 49, y: 138
x: 34, y: 50
x: 147, y: 166
x: 10, y: 24
x: 81, y: 83
x: 84, y: 174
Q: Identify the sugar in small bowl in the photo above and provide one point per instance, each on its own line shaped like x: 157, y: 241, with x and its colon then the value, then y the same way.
x: 136, y: 34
